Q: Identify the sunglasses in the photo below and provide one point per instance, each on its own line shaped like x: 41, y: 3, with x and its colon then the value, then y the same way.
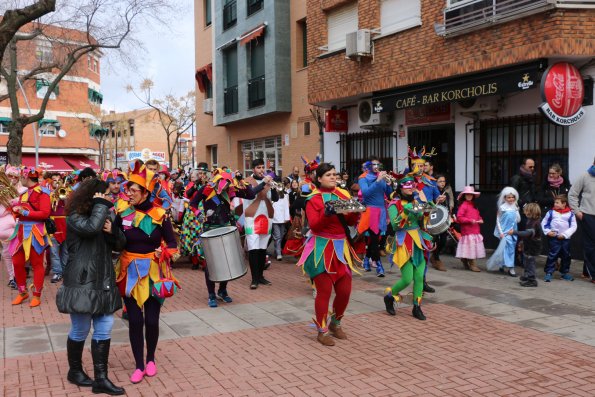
x: 13, y: 176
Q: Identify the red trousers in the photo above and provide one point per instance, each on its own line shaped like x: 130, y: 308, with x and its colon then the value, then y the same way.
x: 324, y: 286
x: 20, y: 275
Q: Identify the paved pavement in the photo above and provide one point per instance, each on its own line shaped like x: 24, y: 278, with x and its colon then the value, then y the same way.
x: 485, y: 335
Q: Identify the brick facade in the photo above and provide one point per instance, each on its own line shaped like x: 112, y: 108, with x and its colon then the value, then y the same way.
x: 419, y: 54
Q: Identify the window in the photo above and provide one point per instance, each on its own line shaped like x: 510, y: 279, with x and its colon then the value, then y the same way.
x: 453, y: 3
x: 43, y: 52
x: 230, y: 92
x: 4, y: 125
x: 208, y: 13
x: 307, y: 128
x: 230, y: 14
x: 48, y: 129
x: 214, y: 156
x: 256, y: 84
x: 397, y: 15
x: 131, y: 127
x: 253, y: 6
x: 502, y: 144
x: 302, y: 44
x: 94, y: 96
x: 341, y: 21
x: 41, y: 87
x: 268, y: 149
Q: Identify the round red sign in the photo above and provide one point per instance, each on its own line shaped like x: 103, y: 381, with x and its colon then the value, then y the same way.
x: 562, y: 89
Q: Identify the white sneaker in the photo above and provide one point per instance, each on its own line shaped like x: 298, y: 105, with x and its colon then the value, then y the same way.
x: 279, y: 257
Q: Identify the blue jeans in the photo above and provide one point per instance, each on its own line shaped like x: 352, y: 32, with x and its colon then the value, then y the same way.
x: 81, y: 324
x: 558, y: 249
x: 58, y: 256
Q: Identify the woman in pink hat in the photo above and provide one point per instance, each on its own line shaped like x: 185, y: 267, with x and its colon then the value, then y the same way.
x: 470, y: 245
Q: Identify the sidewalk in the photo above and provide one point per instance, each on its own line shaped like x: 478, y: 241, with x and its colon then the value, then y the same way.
x: 485, y: 335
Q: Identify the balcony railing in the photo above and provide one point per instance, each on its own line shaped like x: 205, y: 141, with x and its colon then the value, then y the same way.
x: 230, y: 15
x: 256, y: 92
x: 230, y: 100
x: 479, y: 13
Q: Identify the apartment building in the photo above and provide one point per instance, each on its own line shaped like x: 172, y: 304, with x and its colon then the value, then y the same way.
x: 140, y: 134
x: 252, y: 71
x: 66, y: 138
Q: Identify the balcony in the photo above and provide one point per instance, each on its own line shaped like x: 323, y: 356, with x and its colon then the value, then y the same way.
x: 256, y: 92
x: 479, y: 14
x: 230, y: 15
x: 230, y: 100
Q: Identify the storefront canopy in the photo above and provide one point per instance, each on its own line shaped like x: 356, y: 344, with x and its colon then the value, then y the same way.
x: 47, y: 162
x: 80, y: 162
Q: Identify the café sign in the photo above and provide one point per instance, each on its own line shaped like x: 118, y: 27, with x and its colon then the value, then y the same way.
x: 563, y: 92
x: 496, y: 82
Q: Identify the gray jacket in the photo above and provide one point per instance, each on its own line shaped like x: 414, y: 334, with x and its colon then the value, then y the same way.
x: 89, y: 278
x: 581, y: 196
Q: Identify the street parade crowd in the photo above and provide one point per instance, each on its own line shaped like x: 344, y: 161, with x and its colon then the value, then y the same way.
x: 111, y: 237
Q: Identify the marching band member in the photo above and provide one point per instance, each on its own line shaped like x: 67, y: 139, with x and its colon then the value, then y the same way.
x: 374, y: 189
x: 191, y: 221
x: 30, y: 238
x: 144, y: 264
x: 58, y: 250
x: 410, y: 245
x: 114, y: 179
x: 215, y: 198
x: 328, y: 257
x: 258, y: 214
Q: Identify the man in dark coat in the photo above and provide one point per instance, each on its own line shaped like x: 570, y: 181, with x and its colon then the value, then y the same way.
x: 524, y: 182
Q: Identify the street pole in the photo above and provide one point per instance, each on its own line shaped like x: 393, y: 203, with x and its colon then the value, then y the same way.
x: 116, y: 135
x: 193, y: 146
x: 36, y: 138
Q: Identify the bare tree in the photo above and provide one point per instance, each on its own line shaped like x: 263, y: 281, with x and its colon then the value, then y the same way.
x: 15, y: 18
x: 176, y: 114
x: 77, y: 28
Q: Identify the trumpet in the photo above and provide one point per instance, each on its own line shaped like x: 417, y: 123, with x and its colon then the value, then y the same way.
x: 62, y: 193
x: 391, y: 180
x: 277, y: 186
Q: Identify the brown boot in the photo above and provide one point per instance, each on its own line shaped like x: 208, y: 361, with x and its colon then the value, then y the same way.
x: 465, y: 263
x: 337, y: 331
x: 437, y: 264
x: 325, y: 339
x: 472, y: 266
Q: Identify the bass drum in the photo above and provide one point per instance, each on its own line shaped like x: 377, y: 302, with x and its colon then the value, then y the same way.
x: 224, y: 254
x: 439, y: 221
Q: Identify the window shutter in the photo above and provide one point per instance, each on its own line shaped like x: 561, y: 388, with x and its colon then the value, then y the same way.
x: 341, y: 21
x: 397, y: 15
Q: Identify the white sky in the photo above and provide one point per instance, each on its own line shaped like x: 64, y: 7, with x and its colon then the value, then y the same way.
x: 169, y: 62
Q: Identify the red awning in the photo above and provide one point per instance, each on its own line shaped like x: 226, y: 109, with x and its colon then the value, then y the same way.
x: 80, y: 162
x: 200, y: 73
x: 48, y: 162
x: 253, y: 34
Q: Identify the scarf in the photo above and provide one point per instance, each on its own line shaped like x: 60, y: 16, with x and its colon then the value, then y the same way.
x: 555, y: 182
x: 527, y: 175
x: 564, y: 210
x: 591, y: 170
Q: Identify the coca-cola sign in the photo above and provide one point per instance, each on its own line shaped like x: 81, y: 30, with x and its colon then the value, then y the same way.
x: 563, y: 92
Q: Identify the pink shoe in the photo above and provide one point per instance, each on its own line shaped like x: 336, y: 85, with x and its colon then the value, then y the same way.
x: 151, y: 369
x: 137, y: 376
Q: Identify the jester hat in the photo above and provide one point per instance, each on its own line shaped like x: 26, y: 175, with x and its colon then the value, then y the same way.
x: 222, y: 179
x: 141, y: 175
x: 110, y: 176
x: 30, y: 172
x: 11, y: 170
x: 420, y: 157
x: 310, y: 166
x: 405, y: 181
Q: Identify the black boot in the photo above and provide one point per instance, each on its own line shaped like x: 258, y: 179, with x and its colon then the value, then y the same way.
x: 389, y: 302
x: 428, y: 289
x: 252, y: 258
x: 417, y: 313
x: 261, y: 266
x: 101, y: 384
x: 76, y: 374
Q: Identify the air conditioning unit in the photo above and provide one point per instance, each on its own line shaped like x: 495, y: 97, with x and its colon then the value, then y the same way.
x: 207, y: 106
x: 368, y: 119
x: 358, y: 44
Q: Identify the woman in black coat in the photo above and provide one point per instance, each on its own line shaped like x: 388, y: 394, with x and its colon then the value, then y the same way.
x: 555, y: 184
x: 89, y: 292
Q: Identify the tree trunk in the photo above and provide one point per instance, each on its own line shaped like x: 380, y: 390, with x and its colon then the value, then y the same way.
x: 15, y: 142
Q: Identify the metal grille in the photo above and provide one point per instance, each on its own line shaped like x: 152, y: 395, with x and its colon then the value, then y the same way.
x: 357, y: 148
x: 230, y: 100
x: 256, y: 92
x: 502, y: 144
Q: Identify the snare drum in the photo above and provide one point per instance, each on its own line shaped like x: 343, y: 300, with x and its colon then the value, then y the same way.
x: 224, y: 254
x: 439, y: 220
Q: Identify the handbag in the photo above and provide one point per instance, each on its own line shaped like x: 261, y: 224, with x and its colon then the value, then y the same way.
x: 166, y: 286
x: 50, y: 226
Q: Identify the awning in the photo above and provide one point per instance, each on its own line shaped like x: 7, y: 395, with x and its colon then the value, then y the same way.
x: 47, y: 162
x: 80, y: 162
x: 200, y: 73
x: 253, y: 34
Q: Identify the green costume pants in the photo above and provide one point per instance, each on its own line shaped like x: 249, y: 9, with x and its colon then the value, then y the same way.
x: 410, y: 272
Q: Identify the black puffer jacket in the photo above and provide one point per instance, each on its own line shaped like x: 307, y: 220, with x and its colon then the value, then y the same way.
x: 89, y: 278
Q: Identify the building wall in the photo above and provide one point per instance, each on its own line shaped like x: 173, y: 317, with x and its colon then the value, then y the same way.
x: 289, y: 126
x: 419, y: 54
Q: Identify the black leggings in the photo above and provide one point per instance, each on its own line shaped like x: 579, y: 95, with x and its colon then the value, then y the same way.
x: 440, y: 244
x: 136, y: 320
x: 257, y: 259
x: 211, y: 284
x: 373, y: 251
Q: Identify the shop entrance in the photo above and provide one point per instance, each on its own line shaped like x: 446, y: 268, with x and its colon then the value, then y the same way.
x: 441, y: 137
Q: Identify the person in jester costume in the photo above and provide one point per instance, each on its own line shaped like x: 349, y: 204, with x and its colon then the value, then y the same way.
x: 143, y: 272
x: 192, y: 220
x: 212, y: 204
x: 408, y: 217
x: 328, y: 258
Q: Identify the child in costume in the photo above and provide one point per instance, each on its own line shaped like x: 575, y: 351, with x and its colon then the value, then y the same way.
x: 531, y: 237
x: 328, y: 258
x: 408, y: 217
x: 470, y: 246
x: 507, y: 221
x: 559, y: 224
